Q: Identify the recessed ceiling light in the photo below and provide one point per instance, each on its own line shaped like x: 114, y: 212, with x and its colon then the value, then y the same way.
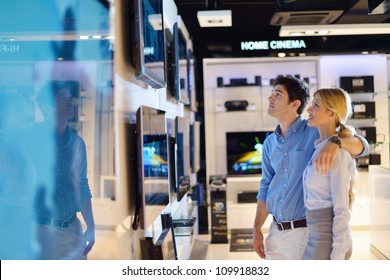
x: 323, y: 32
x: 215, y: 18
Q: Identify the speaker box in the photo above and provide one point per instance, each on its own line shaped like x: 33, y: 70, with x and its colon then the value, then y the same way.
x: 357, y: 84
x: 182, y: 83
x: 220, y: 82
x: 258, y: 80
x: 203, y: 219
x: 236, y: 105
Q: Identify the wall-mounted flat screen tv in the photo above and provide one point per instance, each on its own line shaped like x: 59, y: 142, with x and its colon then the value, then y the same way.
x: 172, y: 159
x: 183, y: 37
x: 149, y: 42
x: 182, y: 131
x: 171, y: 36
x: 152, y: 166
x: 244, y: 152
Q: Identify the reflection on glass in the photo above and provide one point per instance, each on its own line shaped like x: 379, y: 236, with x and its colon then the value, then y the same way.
x: 154, y: 161
x: 40, y: 43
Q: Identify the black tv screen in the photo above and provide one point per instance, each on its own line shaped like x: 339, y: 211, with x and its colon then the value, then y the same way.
x: 152, y: 166
x: 244, y: 152
x: 183, y: 36
x: 182, y: 155
x: 155, y: 156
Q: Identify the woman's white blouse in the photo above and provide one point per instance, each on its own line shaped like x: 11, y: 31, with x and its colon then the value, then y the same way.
x: 331, y: 190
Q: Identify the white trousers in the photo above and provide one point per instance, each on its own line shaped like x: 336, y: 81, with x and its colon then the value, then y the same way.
x: 61, y: 243
x: 285, y: 245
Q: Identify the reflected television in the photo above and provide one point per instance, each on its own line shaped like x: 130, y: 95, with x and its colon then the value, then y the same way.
x: 244, y: 152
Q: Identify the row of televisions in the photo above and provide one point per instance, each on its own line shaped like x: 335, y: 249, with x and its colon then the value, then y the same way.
x: 161, y: 155
x: 161, y: 48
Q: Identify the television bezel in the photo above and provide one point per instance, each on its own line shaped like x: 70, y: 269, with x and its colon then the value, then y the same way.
x: 130, y: 192
x: 183, y: 36
x: 172, y: 62
x: 182, y: 180
x: 191, y: 79
x: 195, y: 146
x: 143, y: 71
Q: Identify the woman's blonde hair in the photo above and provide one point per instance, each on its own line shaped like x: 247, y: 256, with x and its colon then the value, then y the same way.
x: 338, y: 102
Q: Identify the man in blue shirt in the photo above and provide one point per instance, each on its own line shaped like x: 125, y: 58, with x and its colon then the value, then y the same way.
x: 62, y: 190
x: 286, y: 153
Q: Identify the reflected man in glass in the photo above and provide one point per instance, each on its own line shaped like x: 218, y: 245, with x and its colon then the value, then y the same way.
x: 60, y: 158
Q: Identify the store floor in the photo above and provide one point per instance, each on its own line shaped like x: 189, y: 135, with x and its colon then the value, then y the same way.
x: 204, y: 250
x: 361, y: 249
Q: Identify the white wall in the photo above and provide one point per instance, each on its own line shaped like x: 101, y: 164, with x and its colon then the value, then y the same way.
x: 332, y: 67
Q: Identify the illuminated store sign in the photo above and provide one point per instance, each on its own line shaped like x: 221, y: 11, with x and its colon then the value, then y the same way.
x: 5, y: 48
x: 274, y: 45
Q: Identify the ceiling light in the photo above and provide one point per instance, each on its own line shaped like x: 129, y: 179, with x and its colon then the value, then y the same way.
x: 334, y: 29
x: 215, y: 18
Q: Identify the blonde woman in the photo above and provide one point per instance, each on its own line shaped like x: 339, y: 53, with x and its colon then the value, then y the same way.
x: 328, y: 197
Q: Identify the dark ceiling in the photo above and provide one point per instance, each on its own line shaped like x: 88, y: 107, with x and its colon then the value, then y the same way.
x: 251, y: 22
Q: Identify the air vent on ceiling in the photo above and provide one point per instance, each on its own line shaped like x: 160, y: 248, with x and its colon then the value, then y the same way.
x: 305, y: 17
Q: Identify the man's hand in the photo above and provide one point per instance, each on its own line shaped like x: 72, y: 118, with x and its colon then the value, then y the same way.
x: 258, y: 243
x: 89, y: 237
x: 326, y: 158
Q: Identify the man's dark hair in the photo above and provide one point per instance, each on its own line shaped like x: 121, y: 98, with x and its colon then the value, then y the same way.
x: 47, y: 94
x: 296, y: 90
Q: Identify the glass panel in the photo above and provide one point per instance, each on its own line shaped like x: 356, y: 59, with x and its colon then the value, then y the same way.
x: 56, y: 125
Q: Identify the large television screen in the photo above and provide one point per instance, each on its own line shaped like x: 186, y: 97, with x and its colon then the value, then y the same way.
x: 155, y: 155
x: 148, y: 42
x: 244, y: 152
x: 152, y: 166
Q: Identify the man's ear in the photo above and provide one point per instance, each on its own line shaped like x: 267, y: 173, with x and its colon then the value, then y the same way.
x: 296, y: 104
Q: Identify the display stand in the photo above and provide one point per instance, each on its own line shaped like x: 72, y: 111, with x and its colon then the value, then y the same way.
x: 218, y: 209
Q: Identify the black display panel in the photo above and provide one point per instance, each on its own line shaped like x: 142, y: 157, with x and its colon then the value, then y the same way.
x: 148, y: 42
x: 155, y: 156
x: 244, y: 152
x: 184, y: 66
x: 173, y: 69
x: 152, y: 166
x: 182, y: 131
